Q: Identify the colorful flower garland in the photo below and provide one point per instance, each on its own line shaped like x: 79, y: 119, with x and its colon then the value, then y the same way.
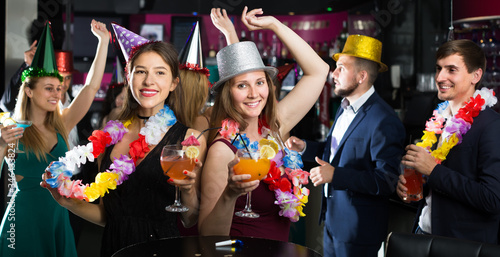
x: 290, y: 200
x: 120, y: 169
x: 457, y: 126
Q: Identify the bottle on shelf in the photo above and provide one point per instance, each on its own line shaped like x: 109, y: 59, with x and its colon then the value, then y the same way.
x: 334, y: 48
x: 243, y: 36
x: 323, y: 51
x: 284, y: 53
x: 211, y: 65
x: 260, y: 44
x: 265, y: 53
x: 221, y: 41
x: 343, y: 35
x: 274, y: 53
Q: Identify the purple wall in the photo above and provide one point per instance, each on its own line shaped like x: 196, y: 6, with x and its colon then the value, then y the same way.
x: 312, y: 28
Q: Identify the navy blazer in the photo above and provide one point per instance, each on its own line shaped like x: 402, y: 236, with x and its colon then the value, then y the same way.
x: 366, y: 172
x: 466, y: 186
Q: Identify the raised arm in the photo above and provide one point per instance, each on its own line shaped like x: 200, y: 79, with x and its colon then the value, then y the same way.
x: 222, y: 22
x: 81, y: 104
x: 297, y: 103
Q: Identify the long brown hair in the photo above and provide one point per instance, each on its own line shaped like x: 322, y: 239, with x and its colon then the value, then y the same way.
x: 32, y: 139
x: 169, y: 55
x: 224, y: 108
x: 195, y: 87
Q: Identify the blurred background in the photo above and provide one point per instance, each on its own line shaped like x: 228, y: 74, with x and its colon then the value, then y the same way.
x: 410, y: 30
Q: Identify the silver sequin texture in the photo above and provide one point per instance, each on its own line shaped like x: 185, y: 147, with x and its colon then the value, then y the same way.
x: 238, y: 58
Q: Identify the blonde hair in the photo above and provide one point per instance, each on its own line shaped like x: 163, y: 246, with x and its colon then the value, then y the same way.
x: 32, y: 139
x: 169, y: 55
x: 195, y: 87
x: 224, y: 108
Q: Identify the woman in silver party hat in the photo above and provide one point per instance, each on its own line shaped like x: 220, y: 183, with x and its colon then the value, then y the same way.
x: 34, y: 224
x: 246, y: 106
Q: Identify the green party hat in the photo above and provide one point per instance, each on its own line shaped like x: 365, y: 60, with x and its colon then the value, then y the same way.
x: 44, y: 61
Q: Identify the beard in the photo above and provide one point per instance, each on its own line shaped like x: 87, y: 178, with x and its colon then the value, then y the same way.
x: 347, y: 91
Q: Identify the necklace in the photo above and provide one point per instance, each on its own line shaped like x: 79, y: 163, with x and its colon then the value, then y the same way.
x: 145, y: 118
x: 457, y: 126
x: 120, y: 169
x: 291, y: 197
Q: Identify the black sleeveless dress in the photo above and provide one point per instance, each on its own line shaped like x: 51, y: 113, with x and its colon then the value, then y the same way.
x: 135, y: 210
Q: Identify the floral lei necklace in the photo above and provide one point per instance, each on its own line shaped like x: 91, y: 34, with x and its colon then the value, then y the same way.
x: 457, y: 126
x: 120, y: 169
x: 290, y: 200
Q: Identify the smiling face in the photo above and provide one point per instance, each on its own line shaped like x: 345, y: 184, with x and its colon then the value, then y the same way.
x: 151, y: 81
x: 45, y: 94
x: 453, y: 81
x: 249, y: 92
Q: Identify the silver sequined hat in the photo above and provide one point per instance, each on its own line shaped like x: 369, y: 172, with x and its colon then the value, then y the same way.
x: 239, y: 58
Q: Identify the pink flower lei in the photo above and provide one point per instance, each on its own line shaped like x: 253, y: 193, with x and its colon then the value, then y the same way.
x: 292, y: 196
x: 118, y: 172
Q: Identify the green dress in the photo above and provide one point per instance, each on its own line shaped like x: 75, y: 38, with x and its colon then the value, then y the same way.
x: 34, y: 224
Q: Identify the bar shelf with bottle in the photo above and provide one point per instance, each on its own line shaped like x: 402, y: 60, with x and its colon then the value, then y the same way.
x: 484, y: 31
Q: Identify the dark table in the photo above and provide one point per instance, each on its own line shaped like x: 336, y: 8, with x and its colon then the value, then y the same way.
x: 204, y: 246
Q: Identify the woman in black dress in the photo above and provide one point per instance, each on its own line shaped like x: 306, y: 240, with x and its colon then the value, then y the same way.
x: 135, y: 211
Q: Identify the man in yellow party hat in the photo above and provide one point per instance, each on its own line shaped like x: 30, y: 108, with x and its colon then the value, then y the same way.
x: 360, y: 159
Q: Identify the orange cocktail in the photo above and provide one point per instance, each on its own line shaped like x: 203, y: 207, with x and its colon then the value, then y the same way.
x: 174, y: 166
x: 413, y: 183
x: 258, y: 169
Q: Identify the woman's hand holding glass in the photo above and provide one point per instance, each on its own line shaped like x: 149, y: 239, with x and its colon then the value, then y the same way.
x: 187, y: 184
x: 179, y: 165
x: 254, y: 166
x: 10, y: 134
x: 237, y: 184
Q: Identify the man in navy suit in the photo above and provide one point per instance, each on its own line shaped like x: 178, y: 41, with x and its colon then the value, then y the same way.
x: 462, y: 199
x: 360, y: 161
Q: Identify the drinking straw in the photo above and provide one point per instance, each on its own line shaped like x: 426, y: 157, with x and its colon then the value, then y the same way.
x: 244, y: 144
x: 205, y: 130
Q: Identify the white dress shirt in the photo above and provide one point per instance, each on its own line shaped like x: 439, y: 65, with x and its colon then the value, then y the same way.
x: 424, y: 221
x: 344, y: 121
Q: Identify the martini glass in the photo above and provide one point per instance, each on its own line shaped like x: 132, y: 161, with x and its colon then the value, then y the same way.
x: 21, y: 124
x: 250, y: 163
x: 173, y: 162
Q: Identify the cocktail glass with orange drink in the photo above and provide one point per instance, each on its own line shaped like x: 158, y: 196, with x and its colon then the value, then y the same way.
x: 257, y: 164
x: 174, y: 161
